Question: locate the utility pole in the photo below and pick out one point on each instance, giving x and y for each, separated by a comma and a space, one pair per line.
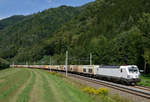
90, 58
50, 63
66, 63
27, 64
145, 67
13, 64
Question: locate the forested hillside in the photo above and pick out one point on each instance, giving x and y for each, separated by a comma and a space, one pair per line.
10, 21
116, 32
32, 29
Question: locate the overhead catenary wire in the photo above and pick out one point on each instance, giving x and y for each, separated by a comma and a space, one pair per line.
81, 59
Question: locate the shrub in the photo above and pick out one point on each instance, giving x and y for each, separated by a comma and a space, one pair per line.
92, 91
102, 91
89, 90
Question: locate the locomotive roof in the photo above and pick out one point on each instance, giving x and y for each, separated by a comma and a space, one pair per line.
101, 66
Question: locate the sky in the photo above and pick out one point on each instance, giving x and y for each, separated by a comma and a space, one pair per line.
26, 7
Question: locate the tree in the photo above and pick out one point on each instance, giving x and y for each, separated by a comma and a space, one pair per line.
146, 56
144, 25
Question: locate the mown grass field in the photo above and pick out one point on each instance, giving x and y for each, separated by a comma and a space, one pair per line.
34, 85
145, 80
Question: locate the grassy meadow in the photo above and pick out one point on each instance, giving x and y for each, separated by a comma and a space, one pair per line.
145, 80
34, 85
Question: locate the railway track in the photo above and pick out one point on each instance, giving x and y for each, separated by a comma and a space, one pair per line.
136, 90
142, 87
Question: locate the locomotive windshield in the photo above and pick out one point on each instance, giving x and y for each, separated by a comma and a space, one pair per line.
133, 69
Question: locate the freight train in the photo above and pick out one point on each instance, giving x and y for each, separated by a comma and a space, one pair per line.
125, 74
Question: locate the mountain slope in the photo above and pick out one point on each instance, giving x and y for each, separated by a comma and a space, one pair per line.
10, 21
15, 38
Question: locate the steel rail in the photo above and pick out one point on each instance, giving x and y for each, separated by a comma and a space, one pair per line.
142, 87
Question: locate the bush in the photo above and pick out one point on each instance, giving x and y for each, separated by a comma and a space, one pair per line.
89, 90
102, 91
92, 91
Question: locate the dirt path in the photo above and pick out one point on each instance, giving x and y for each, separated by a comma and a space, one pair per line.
19, 91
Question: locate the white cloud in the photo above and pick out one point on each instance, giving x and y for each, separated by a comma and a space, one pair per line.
2, 18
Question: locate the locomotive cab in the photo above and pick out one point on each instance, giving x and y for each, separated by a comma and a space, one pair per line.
133, 74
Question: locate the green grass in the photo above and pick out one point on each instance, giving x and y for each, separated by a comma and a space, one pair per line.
12, 84
24, 96
9, 79
34, 85
145, 80
67, 91
7, 72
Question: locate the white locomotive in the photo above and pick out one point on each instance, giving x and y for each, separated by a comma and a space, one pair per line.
127, 74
